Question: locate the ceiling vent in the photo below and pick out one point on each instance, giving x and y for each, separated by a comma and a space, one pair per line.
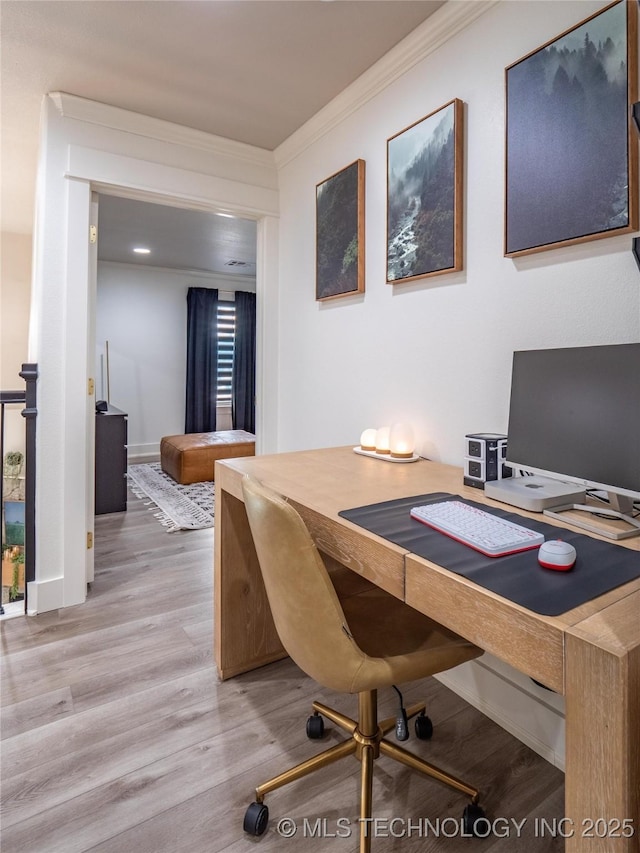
233, 263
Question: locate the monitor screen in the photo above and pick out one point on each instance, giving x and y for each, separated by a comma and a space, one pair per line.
575, 415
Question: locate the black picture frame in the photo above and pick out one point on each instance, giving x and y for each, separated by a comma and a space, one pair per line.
340, 201
571, 158
424, 196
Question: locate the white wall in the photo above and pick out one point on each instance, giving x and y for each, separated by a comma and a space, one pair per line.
142, 313
438, 352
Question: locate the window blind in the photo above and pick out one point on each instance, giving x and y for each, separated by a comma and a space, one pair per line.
226, 347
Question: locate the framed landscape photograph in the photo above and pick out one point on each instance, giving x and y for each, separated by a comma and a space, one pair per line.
340, 233
424, 196
571, 155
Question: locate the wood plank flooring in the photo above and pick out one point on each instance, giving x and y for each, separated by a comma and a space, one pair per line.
117, 735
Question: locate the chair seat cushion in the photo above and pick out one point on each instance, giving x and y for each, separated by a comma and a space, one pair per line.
191, 458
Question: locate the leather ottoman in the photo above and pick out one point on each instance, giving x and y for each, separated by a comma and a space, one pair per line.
190, 458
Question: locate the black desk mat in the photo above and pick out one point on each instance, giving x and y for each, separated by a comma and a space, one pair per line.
600, 566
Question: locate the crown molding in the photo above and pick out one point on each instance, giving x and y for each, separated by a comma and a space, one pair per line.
116, 118
449, 20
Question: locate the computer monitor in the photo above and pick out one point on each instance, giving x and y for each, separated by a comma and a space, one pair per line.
575, 416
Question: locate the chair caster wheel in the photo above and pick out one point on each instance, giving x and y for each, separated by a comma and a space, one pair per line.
424, 727
256, 819
315, 727
474, 821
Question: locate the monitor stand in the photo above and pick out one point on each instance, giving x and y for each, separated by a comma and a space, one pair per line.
623, 507
534, 493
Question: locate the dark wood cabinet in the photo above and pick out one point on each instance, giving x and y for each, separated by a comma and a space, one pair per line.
111, 461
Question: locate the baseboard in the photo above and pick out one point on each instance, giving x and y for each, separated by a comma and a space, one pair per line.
530, 713
43, 596
143, 452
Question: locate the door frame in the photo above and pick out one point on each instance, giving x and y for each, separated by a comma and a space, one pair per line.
62, 564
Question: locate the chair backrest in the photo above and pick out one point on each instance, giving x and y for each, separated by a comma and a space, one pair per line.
306, 610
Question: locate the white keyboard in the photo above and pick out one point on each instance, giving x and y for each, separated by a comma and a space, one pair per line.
492, 536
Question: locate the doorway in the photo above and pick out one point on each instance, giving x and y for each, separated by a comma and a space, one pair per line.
62, 313
149, 255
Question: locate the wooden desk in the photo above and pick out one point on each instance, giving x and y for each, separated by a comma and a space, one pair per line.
590, 654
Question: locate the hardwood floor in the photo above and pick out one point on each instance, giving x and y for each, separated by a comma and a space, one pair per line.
117, 735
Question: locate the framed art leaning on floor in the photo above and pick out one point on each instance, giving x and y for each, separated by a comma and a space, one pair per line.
571, 154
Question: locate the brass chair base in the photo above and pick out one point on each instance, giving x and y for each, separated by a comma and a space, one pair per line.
367, 742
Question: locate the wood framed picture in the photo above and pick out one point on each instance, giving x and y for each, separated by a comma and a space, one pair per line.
340, 233
424, 196
571, 155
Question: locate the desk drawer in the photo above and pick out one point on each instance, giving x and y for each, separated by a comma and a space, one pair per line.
531, 643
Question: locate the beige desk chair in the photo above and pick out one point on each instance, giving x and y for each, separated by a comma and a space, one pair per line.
357, 645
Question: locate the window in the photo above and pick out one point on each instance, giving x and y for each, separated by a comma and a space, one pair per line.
226, 347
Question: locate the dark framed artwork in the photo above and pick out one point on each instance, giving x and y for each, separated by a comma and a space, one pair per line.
571, 154
424, 196
340, 233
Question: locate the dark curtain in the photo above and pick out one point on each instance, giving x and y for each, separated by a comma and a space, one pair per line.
244, 363
202, 359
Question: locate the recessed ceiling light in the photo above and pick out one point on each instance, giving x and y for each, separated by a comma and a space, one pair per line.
140, 250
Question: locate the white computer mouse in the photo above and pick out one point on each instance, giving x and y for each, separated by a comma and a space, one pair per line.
556, 554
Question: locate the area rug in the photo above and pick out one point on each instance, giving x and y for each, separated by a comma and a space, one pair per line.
179, 507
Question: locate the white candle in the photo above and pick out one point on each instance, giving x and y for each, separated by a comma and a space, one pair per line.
382, 440
401, 442
368, 439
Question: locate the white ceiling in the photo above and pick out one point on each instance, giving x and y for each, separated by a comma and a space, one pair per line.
178, 238
248, 70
